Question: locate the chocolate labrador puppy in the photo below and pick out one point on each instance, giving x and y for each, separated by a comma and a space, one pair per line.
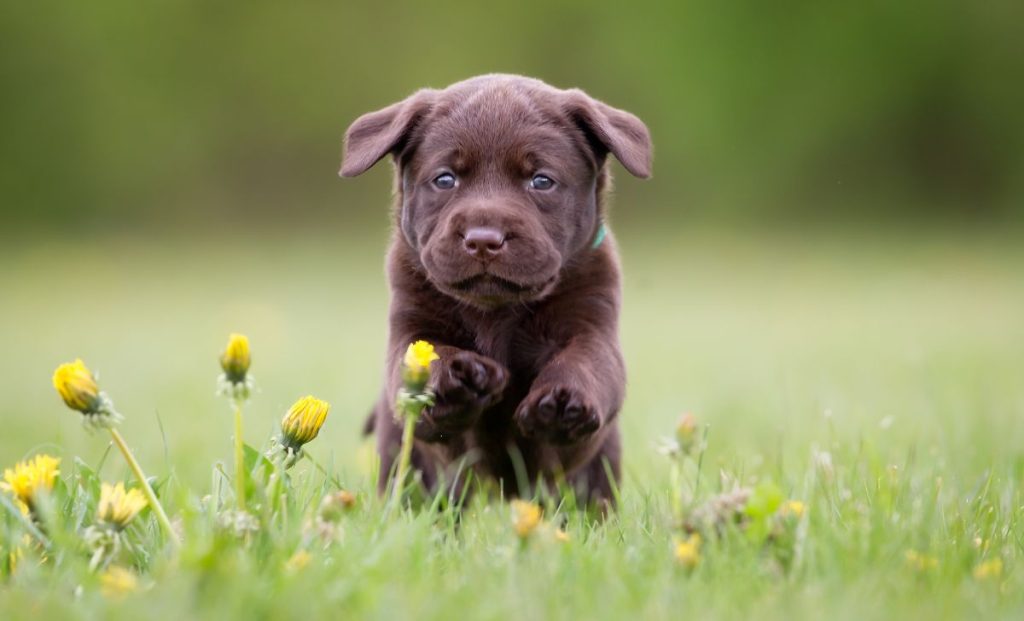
502, 259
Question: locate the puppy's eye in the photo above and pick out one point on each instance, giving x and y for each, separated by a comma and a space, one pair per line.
541, 182
444, 181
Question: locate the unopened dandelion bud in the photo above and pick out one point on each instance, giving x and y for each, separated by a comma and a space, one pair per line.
77, 386
117, 582
793, 508
686, 432
526, 517
920, 562
117, 506
302, 423
990, 569
236, 382
687, 551
236, 358
335, 505
31, 478
298, 562
416, 365
14, 557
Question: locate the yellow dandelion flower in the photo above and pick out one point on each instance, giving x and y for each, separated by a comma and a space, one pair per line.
29, 478
794, 508
687, 551
236, 358
992, 568
920, 562
526, 517
416, 364
117, 582
77, 386
302, 423
118, 507
298, 561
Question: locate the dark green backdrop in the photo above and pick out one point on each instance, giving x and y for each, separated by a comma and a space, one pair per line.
181, 113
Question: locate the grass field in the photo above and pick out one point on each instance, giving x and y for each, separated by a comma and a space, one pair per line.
877, 378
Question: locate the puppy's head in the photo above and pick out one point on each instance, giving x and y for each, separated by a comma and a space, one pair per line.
499, 179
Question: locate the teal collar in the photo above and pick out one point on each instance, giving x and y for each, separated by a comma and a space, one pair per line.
602, 232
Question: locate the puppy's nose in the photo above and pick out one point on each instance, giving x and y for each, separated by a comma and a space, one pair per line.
483, 242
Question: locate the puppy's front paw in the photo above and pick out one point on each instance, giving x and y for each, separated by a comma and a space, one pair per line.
558, 413
463, 385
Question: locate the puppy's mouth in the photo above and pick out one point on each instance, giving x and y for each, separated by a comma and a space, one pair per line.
490, 290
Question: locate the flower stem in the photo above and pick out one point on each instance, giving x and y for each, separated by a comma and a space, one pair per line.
239, 457
404, 457
154, 502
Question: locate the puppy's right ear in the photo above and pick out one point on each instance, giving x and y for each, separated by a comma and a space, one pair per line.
375, 134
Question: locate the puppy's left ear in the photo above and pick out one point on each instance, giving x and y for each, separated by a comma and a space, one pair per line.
611, 130
375, 134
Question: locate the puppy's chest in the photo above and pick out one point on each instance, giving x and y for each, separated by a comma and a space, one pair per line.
519, 342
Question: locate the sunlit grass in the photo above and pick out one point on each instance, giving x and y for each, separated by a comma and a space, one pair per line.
875, 382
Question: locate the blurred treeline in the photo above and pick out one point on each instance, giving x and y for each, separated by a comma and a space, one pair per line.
180, 113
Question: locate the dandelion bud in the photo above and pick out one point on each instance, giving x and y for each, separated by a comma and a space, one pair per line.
687, 551
526, 517
236, 358
235, 381
117, 582
793, 508
920, 562
302, 422
78, 388
298, 562
13, 558
416, 365
686, 432
992, 568
333, 506
118, 507
30, 478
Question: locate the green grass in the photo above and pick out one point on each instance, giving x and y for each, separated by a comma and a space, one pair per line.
900, 356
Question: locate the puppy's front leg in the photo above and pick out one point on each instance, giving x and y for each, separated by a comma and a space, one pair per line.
464, 383
577, 392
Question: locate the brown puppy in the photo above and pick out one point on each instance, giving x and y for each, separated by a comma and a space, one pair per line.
500, 258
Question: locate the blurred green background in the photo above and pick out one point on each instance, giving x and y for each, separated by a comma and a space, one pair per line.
831, 239
185, 113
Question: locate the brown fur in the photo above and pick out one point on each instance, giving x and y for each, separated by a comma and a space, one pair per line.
530, 378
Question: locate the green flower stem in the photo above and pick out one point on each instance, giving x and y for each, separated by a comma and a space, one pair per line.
676, 481
275, 482
410, 405
239, 457
405, 456
154, 502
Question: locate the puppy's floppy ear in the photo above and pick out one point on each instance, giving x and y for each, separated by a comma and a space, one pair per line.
610, 130
375, 134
